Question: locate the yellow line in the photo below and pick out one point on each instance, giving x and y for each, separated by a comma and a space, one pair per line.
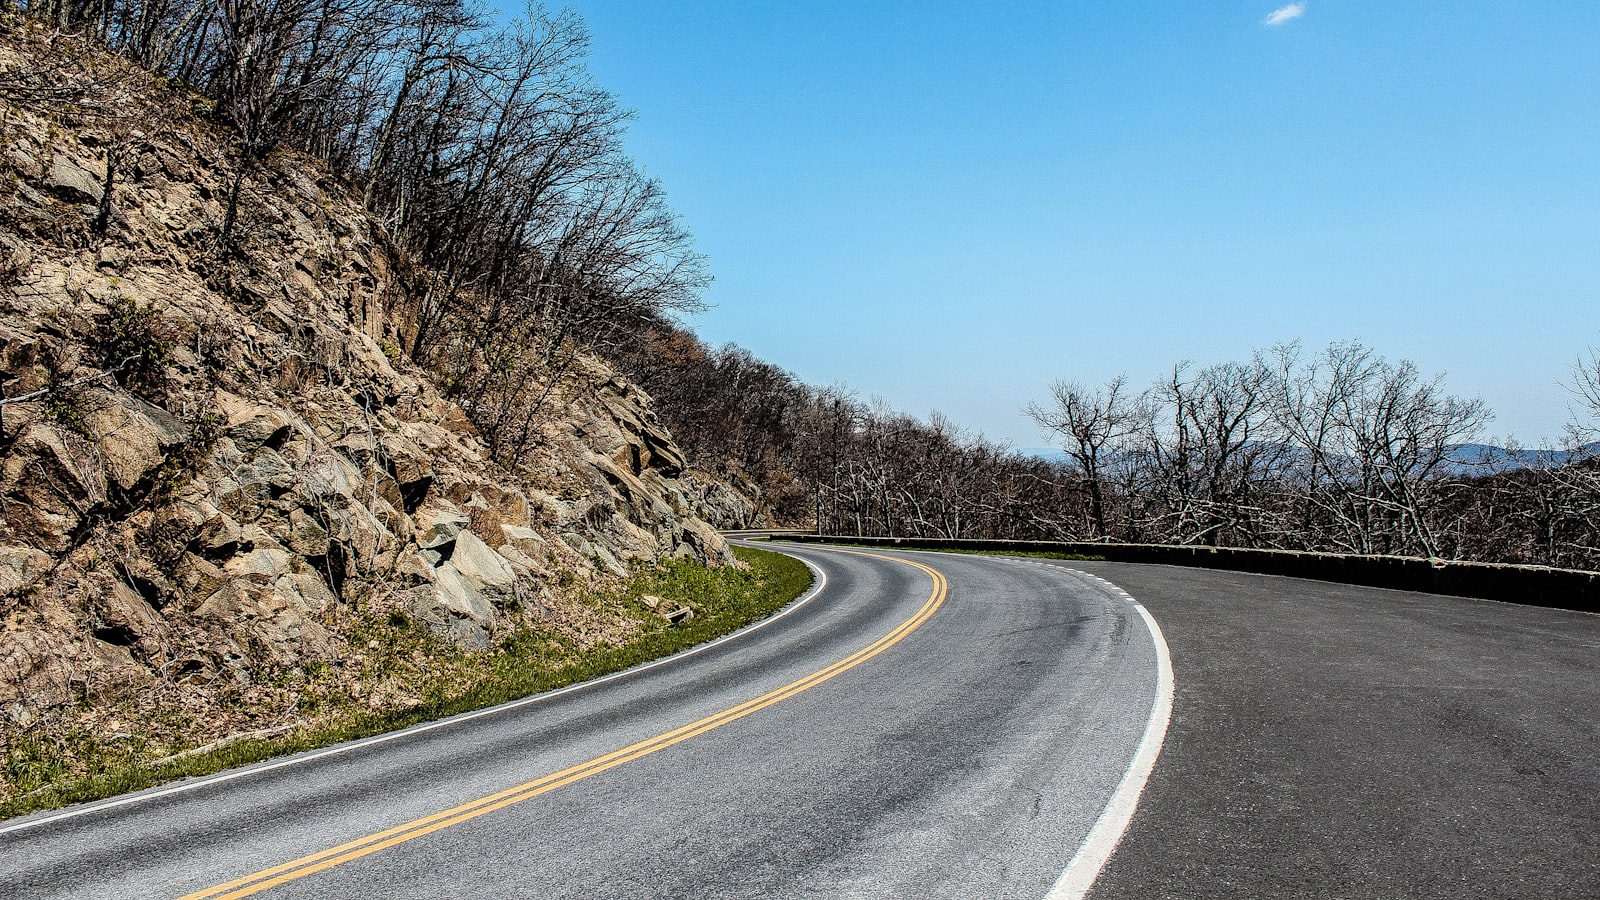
372, 843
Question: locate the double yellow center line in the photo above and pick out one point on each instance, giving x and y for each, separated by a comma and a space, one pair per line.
372, 843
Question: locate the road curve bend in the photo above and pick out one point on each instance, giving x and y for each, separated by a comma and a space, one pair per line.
951, 726
1336, 741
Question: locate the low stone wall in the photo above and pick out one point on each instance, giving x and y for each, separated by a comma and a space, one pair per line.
1532, 585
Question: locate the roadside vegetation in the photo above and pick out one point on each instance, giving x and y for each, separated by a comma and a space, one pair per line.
1335, 450
476, 138
403, 674
911, 544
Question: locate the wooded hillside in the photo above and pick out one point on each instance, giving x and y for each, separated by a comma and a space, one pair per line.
1340, 450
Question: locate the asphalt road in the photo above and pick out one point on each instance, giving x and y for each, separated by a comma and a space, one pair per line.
1338, 741
884, 738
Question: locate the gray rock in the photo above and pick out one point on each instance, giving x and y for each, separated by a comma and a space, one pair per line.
520, 561
220, 538
306, 536
123, 606
24, 162
252, 425
610, 561
329, 475
262, 565
479, 564
467, 633
21, 567
71, 183
133, 438
197, 576
440, 513
48, 478
440, 537
245, 490
457, 595
578, 543
522, 536
415, 568
307, 590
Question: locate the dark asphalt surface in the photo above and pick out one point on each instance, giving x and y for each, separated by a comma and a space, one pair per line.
968, 760
1339, 741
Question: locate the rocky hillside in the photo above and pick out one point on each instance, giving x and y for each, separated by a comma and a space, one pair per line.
215, 462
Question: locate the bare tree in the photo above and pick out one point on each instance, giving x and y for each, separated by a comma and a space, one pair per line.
1095, 428
1584, 428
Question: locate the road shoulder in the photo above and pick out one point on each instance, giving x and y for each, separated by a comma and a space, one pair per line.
1331, 740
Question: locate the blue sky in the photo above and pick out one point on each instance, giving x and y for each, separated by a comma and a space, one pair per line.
950, 205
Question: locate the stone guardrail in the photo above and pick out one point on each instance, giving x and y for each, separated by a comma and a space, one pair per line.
1530, 585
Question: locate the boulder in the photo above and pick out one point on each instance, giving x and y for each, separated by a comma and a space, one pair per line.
414, 568
243, 490
550, 510
306, 590
23, 161
414, 474
306, 537
47, 479
329, 474
437, 525
610, 561
263, 565
198, 577
359, 527
252, 425
456, 595
664, 456
525, 540
220, 538
125, 616
520, 561
479, 564
133, 438
67, 180
20, 567
228, 603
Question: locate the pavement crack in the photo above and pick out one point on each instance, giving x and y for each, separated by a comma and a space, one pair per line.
1038, 800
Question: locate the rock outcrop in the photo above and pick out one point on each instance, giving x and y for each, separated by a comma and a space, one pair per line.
210, 461
722, 504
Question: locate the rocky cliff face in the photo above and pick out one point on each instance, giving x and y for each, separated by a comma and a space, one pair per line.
212, 462
722, 504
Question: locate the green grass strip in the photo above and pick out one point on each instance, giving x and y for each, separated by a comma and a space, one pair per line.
527, 663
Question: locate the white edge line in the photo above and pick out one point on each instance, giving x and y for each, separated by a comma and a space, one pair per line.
820, 582
1079, 876
1102, 839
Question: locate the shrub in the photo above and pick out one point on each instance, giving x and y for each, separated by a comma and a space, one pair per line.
135, 342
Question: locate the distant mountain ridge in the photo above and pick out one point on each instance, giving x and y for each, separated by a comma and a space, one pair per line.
1471, 458
1462, 459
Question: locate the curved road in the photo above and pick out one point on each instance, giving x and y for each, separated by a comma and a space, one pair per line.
948, 726
907, 733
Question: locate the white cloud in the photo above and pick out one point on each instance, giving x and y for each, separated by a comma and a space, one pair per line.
1286, 13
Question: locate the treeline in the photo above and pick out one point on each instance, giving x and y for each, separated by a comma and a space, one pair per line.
1340, 450
482, 144
496, 165
821, 458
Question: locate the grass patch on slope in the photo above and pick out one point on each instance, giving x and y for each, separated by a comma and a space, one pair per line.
523, 662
